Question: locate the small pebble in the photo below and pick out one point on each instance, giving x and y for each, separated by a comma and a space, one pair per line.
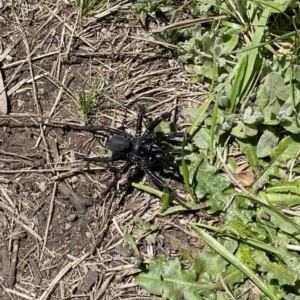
38, 163
72, 218
68, 226
41, 217
89, 280
74, 179
42, 186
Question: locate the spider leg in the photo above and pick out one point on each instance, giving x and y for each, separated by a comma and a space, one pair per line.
160, 183
139, 123
117, 177
94, 129
165, 159
171, 137
158, 120
115, 157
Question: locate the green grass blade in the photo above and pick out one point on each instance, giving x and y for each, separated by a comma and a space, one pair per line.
215, 245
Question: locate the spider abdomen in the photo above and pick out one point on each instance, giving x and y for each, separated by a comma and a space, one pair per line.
118, 143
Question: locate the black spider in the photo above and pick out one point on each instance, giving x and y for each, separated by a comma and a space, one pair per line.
147, 151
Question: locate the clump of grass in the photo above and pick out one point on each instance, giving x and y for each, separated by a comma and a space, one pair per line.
86, 101
90, 7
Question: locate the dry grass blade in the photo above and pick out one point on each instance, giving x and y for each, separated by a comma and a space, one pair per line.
188, 23
60, 275
3, 97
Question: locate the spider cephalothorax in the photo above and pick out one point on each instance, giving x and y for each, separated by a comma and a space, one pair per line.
145, 151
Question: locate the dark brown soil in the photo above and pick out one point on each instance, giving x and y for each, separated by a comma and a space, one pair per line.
59, 237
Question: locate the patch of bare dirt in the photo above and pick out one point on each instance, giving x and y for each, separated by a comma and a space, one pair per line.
59, 237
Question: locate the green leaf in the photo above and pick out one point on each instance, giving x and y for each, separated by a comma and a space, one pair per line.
287, 149
276, 6
284, 186
206, 182
130, 240
212, 263
168, 280
206, 43
194, 79
273, 82
143, 17
282, 198
248, 147
282, 223
187, 207
259, 21
296, 72
267, 142
205, 71
235, 261
230, 40
237, 74
201, 115
252, 116
242, 131
165, 9
201, 138
233, 276
276, 271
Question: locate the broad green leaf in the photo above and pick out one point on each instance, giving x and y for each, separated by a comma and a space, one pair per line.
262, 97
201, 138
192, 112
233, 276
273, 82
168, 280
283, 93
230, 40
252, 116
206, 182
194, 79
245, 254
267, 142
212, 263
275, 271
143, 17
205, 71
242, 131
291, 124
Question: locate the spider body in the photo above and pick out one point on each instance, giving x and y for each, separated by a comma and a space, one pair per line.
145, 151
